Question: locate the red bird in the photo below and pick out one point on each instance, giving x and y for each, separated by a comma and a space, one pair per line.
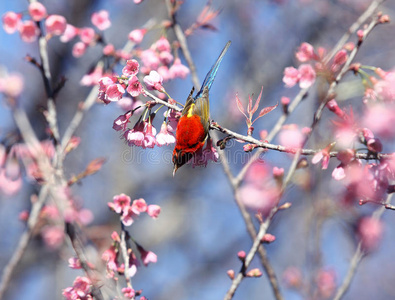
193, 126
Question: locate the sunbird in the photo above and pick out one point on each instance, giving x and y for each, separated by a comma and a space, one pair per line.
193, 125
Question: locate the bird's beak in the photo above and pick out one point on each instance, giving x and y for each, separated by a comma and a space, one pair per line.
175, 170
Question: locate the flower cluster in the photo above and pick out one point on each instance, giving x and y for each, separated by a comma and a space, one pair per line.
313, 62
129, 210
81, 289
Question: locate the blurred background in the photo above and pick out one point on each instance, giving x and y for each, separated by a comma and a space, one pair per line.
200, 230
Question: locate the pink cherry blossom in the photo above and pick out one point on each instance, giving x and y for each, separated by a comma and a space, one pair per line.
291, 137
109, 49
74, 263
326, 283
154, 81
128, 293
79, 49
121, 123
379, 118
53, 236
166, 58
37, 11
55, 24
134, 87
339, 173
164, 137
292, 277
131, 68
9, 186
150, 59
291, 76
153, 211
110, 257
178, 69
164, 72
137, 35
307, 76
139, 206
128, 216
69, 33
147, 256
12, 85
28, 31
202, 157
11, 21
305, 53
163, 45
115, 92
92, 78
86, 35
135, 136
172, 117
259, 199
101, 19
149, 136
82, 286
370, 231
120, 203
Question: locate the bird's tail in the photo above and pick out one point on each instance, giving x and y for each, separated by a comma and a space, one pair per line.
208, 81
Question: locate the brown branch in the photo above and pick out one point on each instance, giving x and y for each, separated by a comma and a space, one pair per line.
254, 248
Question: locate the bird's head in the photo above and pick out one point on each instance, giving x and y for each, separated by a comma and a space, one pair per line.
180, 158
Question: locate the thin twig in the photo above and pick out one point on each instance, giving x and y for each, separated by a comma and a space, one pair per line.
358, 256
183, 43
254, 248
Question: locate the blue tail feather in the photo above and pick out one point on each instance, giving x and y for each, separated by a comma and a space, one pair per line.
208, 81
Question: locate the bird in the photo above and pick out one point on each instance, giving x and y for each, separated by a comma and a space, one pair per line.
193, 125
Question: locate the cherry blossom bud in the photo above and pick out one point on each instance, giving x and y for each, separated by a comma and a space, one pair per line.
241, 255
268, 238
286, 205
231, 274
285, 103
254, 273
